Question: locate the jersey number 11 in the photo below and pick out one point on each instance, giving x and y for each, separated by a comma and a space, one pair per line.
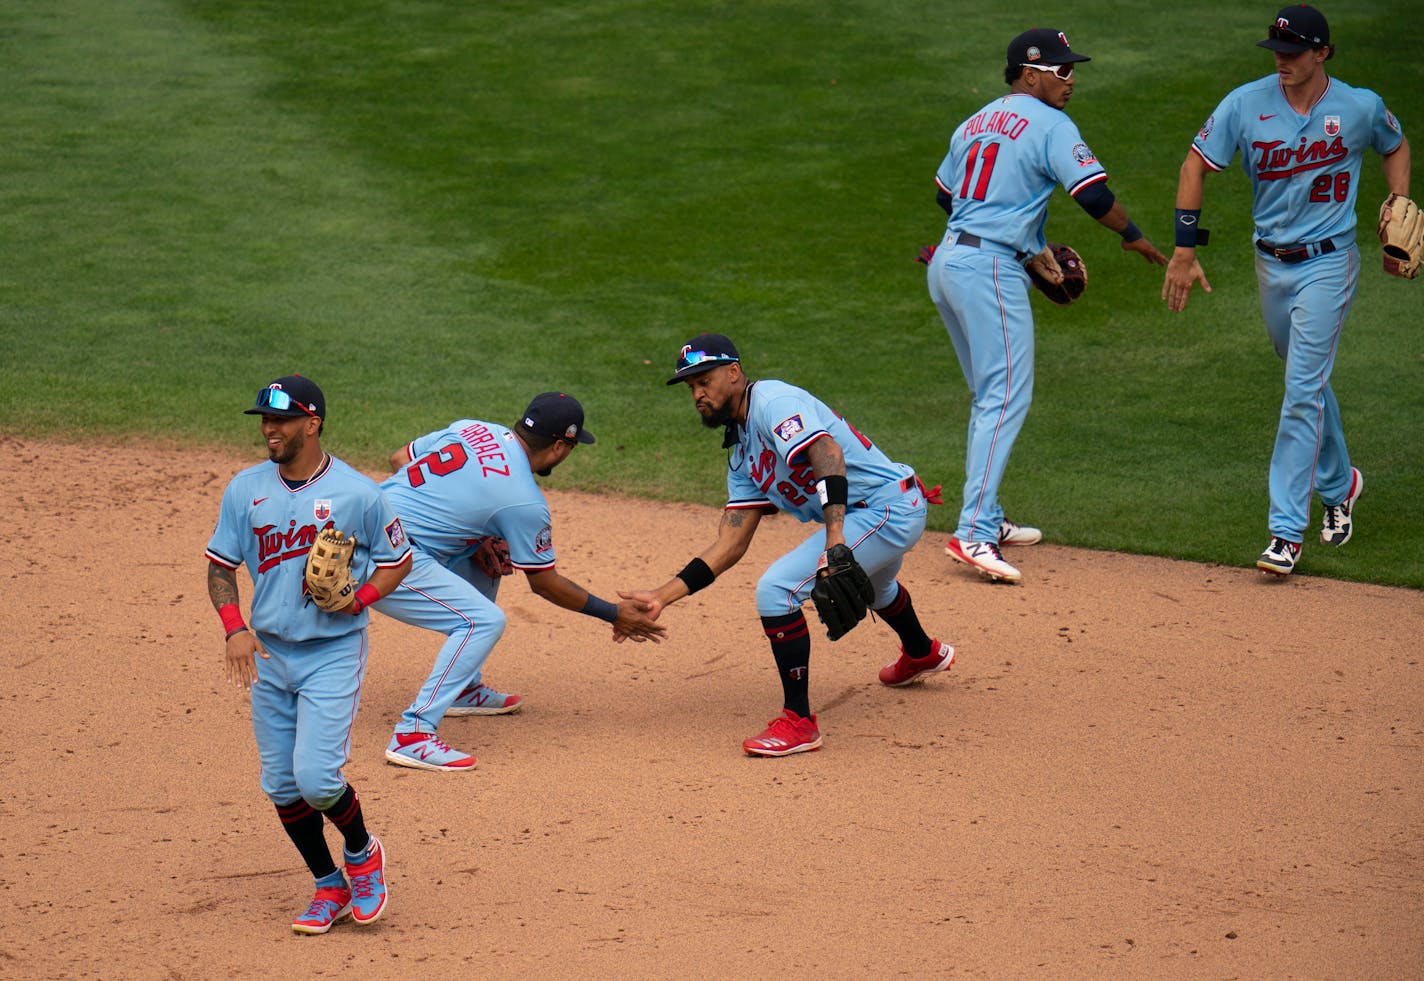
986, 168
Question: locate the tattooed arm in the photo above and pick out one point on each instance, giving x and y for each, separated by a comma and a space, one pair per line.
734, 534
241, 647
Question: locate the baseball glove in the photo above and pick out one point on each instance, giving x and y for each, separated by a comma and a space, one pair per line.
842, 593
1059, 273
1402, 236
328, 575
492, 557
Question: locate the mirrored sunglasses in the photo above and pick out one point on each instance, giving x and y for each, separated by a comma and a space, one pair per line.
1064, 72
275, 398
691, 358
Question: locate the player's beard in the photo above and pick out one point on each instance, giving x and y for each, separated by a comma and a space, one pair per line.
719, 415
289, 450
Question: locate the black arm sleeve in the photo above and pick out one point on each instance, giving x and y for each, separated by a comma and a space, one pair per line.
1096, 199
945, 201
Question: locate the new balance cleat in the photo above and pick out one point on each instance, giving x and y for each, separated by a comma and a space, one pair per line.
786, 734
368, 885
908, 670
426, 751
1012, 534
482, 700
984, 556
327, 906
1339, 522
1279, 557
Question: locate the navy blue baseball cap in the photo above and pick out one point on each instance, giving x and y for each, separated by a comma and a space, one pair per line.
703, 353
557, 416
290, 395
1297, 28
1043, 46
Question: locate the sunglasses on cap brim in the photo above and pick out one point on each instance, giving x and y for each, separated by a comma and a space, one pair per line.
275, 398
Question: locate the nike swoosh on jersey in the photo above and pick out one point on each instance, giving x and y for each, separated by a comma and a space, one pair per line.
257, 500
1264, 118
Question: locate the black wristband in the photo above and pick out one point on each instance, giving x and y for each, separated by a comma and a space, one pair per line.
600, 608
834, 489
233, 633
1131, 233
1186, 225
696, 575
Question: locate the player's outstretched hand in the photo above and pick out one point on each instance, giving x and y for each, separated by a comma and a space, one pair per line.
1182, 272
635, 620
1147, 250
241, 665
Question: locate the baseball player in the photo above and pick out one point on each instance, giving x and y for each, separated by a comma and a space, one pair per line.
791, 453
1302, 137
454, 489
994, 184
305, 667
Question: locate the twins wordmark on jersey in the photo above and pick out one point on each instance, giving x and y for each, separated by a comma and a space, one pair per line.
274, 546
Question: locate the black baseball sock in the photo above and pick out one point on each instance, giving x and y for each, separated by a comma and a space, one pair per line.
900, 615
791, 646
345, 814
304, 826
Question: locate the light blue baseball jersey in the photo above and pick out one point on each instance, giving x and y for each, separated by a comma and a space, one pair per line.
1304, 170
270, 528
1003, 163
466, 481
768, 469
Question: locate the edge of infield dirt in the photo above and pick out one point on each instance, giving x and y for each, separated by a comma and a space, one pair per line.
1137, 767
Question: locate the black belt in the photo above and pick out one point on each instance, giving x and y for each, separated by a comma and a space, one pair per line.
974, 241
1295, 253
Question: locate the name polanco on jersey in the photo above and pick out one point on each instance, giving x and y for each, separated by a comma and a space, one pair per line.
1001, 122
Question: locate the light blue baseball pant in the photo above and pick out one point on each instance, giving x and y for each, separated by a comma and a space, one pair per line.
879, 535
440, 599
982, 297
1305, 305
304, 704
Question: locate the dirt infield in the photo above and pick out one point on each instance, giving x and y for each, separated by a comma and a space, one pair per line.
1137, 768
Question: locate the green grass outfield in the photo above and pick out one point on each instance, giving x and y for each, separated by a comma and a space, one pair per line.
439, 209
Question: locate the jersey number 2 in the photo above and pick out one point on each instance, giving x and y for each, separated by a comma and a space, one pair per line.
447, 459
985, 161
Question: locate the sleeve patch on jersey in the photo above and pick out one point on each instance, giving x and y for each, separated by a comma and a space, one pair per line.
544, 541
1083, 155
395, 534
1207, 127
1391, 121
789, 427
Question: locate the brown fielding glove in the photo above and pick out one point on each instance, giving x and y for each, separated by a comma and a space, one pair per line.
1065, 261
492, 557
1402, 236
328, 575
842, 593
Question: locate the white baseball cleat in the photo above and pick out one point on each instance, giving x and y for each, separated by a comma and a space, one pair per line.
1279, 557
984, 556
1339, 523
1012, 534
